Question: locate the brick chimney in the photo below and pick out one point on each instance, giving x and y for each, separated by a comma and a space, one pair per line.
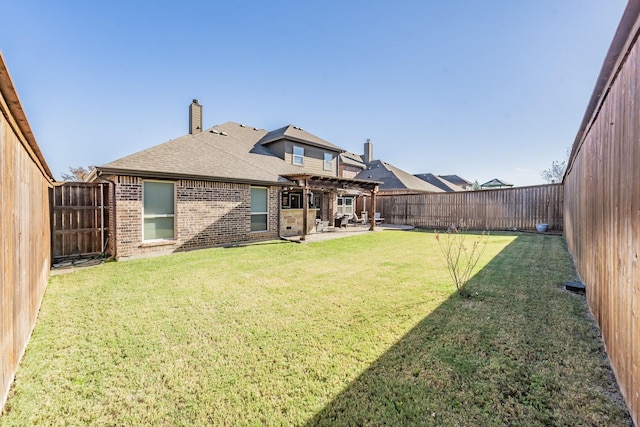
195, 117
368, 151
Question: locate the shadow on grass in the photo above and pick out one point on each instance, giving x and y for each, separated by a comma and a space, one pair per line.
519, 351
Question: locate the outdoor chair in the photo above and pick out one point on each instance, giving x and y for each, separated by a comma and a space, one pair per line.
356, 220
344, 221
378, 218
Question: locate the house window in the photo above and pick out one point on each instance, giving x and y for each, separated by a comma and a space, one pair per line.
298, 155
328, 161
158, 200
345, 206
259, 208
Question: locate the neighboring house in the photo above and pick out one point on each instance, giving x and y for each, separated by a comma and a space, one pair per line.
439, 182
456, 180
495, 183
227, 184
394, 179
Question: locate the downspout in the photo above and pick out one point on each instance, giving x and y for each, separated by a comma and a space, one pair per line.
280, 213
305, 209
101, 218
372, 217
112, 213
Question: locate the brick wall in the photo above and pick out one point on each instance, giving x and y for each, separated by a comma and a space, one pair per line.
207, 214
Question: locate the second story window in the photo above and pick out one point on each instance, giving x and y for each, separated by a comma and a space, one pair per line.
298, 155
328, 161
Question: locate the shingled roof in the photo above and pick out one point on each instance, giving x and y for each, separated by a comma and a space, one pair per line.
228, 152
439, 182
352, 159
496, 183
394, 178
294, 133
455, 179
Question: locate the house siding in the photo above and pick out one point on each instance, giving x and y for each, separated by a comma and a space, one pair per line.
348, 171
313, 158
206, 214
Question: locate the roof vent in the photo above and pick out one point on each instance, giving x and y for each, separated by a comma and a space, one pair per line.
242, 126
214, 131
223, 133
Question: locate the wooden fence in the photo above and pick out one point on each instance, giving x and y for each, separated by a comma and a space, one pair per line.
79, 219
503, 209
602, 209
25, 253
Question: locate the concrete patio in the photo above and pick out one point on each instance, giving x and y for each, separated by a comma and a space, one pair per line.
348, 231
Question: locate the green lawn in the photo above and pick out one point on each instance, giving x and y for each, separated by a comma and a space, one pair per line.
366, 330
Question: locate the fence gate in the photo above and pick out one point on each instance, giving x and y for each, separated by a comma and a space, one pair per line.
79, 219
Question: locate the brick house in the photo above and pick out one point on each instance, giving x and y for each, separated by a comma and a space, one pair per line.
227, 184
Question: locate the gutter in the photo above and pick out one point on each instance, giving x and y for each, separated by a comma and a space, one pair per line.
174, 176
112, 213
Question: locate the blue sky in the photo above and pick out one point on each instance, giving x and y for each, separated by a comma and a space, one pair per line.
482, 89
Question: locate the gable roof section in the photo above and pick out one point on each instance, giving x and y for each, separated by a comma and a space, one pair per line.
395, 178
455, 179
495, 182
227, 152
352, 159
441, 183
296, 134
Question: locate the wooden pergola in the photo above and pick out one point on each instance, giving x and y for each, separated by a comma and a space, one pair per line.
308, 183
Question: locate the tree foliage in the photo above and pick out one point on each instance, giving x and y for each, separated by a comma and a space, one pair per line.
555, 172
77, 174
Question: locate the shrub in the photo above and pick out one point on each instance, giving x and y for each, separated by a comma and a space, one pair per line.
460, 256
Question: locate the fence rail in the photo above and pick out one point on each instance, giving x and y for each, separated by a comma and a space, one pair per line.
79, 218
503, 209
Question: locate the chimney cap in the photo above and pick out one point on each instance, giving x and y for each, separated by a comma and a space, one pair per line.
195, 101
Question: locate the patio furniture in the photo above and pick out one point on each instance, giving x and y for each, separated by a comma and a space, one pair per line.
344, 221
378, 218
356, 220
321, 226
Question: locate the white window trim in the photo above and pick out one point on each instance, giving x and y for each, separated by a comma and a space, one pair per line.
342, 206
160, 216
297, 156
259, 213
328, 165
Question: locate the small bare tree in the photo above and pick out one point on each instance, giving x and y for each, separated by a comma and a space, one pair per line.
555, 172
77, 174
461, 257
